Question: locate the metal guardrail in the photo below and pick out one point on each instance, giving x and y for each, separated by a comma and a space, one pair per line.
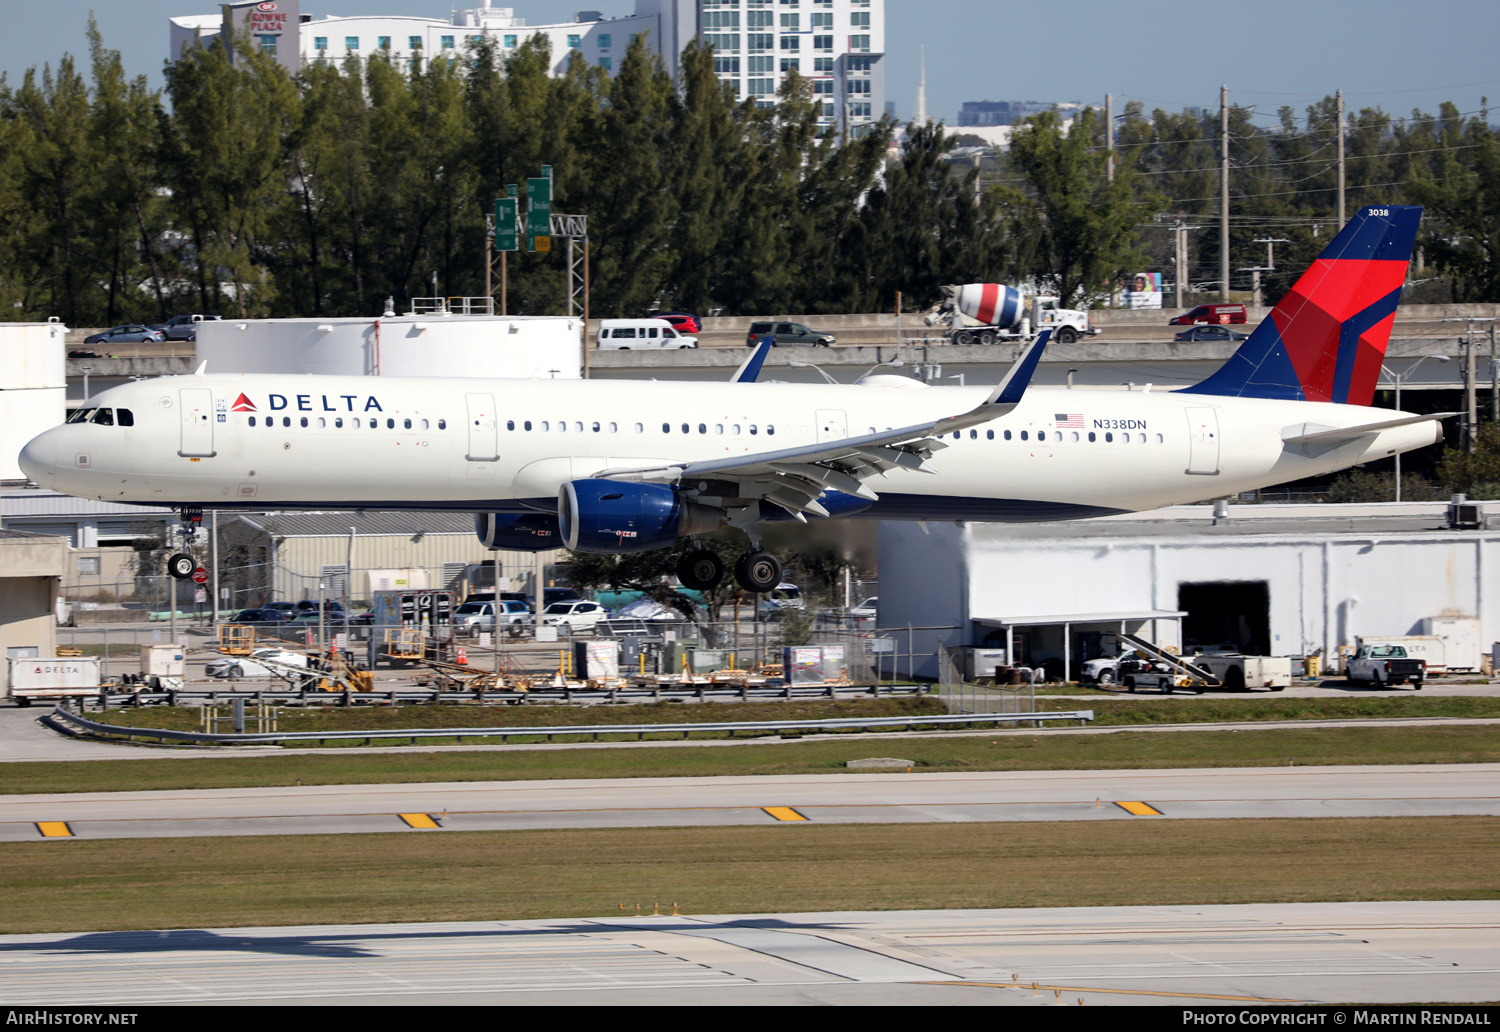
427, 695
506, 733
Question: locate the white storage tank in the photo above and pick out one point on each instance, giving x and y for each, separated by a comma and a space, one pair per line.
33, 386
518, 347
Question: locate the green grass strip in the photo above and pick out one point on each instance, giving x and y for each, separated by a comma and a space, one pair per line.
1125, 749
80, 886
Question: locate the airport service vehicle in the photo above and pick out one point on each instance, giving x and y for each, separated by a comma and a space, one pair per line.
49, 679
641, 335
1214, 313
623, 468
1240, 673
991, 313
1384, 664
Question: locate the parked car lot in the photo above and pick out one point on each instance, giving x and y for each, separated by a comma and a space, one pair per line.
474, 618
267, 616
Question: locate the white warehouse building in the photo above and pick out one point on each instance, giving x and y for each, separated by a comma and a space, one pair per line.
1283, 580
837, 44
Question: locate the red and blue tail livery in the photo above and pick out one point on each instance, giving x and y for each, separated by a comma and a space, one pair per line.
1327, 337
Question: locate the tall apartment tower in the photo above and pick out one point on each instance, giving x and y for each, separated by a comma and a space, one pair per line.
839, 45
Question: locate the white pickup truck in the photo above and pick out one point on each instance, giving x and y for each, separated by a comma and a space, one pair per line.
1383, 665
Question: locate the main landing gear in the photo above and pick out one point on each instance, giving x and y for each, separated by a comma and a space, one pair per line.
181, 565
701, 569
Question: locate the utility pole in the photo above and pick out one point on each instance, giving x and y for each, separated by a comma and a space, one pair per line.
1270, 265
1494, 380
1340, 98
1179, 234
1109, 138
1471, 427
1224, 193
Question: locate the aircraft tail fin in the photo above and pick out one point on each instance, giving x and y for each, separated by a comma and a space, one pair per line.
1326, 338
749, 369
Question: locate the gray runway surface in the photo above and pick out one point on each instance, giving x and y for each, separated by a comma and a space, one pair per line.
1234, 956
1373, 791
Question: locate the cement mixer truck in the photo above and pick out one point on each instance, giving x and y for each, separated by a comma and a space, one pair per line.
991, 313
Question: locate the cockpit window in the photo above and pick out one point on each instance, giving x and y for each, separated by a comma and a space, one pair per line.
80, 415
104, 417
124, 417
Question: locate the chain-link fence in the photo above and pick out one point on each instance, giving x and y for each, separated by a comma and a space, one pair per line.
967, 697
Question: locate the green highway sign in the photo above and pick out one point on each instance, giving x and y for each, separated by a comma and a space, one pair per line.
507, 226
539, 209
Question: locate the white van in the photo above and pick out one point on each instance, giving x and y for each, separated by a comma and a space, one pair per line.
641, 335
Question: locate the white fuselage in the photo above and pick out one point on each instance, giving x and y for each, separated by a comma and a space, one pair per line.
258, 441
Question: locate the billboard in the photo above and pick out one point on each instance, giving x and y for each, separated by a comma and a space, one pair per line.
1143, 290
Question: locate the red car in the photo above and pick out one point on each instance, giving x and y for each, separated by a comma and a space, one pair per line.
683, 322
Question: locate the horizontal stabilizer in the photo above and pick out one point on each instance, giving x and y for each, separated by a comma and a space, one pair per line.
1303, 433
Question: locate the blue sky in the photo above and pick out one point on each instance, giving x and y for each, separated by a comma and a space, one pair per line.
1171, 53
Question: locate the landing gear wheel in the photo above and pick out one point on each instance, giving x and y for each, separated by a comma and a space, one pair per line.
1067, 335
758, 571
700, 570
181, 566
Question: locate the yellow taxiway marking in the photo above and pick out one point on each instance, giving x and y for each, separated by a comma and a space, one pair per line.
1139, 809
1124, 992
419, 820
54, 829
783, 813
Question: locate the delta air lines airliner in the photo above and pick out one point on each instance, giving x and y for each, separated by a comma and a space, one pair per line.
611, 466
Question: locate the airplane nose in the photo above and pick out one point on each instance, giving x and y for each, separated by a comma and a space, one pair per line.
38, 458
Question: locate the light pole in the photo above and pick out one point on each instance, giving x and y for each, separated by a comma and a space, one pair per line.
1396, 379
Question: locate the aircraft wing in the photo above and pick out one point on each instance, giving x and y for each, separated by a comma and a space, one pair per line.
793, 478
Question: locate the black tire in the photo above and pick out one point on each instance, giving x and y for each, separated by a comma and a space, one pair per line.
1106, 678
23, 703
1067, 335
1417, 685
987, 337
1164, 686
700, 569
758, 571
234, 673
181, 566
963, 337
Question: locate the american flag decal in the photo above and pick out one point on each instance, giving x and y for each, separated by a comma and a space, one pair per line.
1068, 419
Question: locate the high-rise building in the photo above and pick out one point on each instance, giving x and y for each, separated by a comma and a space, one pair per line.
838, 45
1011, 112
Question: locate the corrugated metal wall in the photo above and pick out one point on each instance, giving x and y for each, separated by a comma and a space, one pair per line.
300, 560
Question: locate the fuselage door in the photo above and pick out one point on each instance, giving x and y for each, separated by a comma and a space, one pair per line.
484, 428
197, 422
1203, 441
833, 425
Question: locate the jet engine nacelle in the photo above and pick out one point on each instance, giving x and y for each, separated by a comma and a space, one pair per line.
619, 517
524, 532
